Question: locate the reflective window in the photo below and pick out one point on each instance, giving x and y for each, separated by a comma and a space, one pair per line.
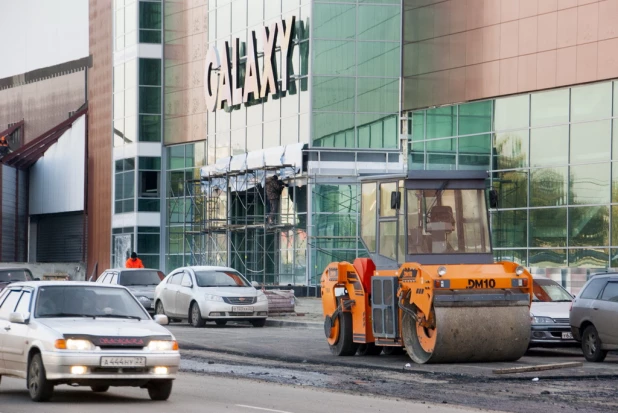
150, 72
150, 99
615, 140
593, 288
334, 94
379, 23
368, 215
150, 128
378, 95
615, 98
512, 187
149, 22
334, 57
591, 102
548, 187
549, 146
590, 184
590, 141
610, 293
417, 126
377, 59
519, 256
441, 122
589, 257
334, 21
375, 131
326, 125
388, 239
547, 258
548, 227
511, 149
510, 228
475, 118
512, 112
386, 189
475, 151
588, 226
550, 108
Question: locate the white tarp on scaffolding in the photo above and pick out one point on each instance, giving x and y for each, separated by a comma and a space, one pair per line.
244, 171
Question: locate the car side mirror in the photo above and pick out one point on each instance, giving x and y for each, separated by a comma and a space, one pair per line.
255, 284
187, 283
161, 319
18, 318
395, 200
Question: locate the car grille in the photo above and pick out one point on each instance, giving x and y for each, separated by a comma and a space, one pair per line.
116, 370
561, 320
240, 300
233, 314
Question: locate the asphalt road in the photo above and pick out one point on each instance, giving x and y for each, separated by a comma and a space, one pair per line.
203, 393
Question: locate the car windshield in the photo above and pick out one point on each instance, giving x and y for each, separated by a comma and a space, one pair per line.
550, 291
11, 276
220, 278
129, 278
87, 301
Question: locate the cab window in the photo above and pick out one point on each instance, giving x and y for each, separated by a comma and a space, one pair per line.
593, 289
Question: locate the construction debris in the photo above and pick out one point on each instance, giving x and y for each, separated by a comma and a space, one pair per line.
540, 367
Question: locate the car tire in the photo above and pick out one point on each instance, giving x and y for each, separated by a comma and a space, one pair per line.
591, 345
99, 389
261, 322
195, 316
39, 387
159, 309
160, 390
221, 323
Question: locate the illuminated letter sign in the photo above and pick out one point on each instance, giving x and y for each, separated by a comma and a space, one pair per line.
257, 84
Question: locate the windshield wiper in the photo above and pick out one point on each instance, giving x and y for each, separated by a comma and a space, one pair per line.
65, 315
132, 317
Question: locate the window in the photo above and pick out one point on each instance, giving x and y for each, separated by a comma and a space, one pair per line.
610, 293
186, 280
149, 184
9, 304
149, 22
124, 186
593, 289
176, 278
24, 303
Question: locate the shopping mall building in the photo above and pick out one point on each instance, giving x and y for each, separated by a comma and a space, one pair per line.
211, 98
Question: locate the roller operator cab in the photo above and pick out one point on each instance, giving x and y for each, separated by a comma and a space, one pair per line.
431, 284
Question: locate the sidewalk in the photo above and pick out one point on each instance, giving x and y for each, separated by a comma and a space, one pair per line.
307, 313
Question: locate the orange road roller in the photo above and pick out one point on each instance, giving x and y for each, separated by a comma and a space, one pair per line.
431, 285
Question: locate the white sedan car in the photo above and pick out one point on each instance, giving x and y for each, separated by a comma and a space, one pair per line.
83, 334
217, 294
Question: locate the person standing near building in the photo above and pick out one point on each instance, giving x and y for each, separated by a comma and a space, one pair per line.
4, 146
274, 187
134, 262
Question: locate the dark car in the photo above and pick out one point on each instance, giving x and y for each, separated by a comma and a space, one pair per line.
140, 281
11, 275
594, 316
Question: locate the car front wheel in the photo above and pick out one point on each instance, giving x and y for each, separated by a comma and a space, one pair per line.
160, 390
196, 316
591, 345
39, 387
159, 308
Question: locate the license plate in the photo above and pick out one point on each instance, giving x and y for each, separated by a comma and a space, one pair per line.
123, 361
245, 309
567, 336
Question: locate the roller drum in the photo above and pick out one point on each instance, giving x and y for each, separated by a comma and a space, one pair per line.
469, 334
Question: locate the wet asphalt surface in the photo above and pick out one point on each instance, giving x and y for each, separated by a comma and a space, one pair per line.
301, 357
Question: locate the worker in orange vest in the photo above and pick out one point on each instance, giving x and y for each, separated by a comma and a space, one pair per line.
134, 262
4, 146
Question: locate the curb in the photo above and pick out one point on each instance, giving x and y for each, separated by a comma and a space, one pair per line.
286, 323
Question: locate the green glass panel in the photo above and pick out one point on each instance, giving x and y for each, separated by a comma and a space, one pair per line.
334, 57
511, 149
516, 256
379, 23
150, 128
441, 122
150, 72
376, 131
591, 102
334, 21
152, 163
591, 141
475, 151
614, 224
150, 230
380, 1
441, 154
548, 187
442, 145
549, 108
150, 36
336, 198
548, 227
615, 140
615, 98
547, 258
512, 187
549, 146
378, 95
475, 117
378, 59
150, 99
333, 94
150, 261
176, 157
338, 225
128, 205
416, 157
510, 229
512, 113
128, 184
149, 15
589, 226
615, 183
327, 125
590, 184
416, 126
148, 243
589, 258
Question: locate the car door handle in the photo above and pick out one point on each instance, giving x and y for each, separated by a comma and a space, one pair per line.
7, 328
595, 308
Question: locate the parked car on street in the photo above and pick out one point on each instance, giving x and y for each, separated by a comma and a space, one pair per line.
12, 275
84, 334
549, 314
594, 316
218, 294
140, 281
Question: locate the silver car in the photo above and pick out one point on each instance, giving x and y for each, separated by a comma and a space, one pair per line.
140, 281
549, 314
594, 316
208, 293
83, 334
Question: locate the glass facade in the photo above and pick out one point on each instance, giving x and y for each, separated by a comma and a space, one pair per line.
552, 158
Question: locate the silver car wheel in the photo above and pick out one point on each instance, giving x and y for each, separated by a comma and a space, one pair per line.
195, 314
33, 382
591, 343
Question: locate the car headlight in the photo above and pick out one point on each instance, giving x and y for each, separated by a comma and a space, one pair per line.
74, 344
163, 345
211, 297
143, 299
262, 297
542, 320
